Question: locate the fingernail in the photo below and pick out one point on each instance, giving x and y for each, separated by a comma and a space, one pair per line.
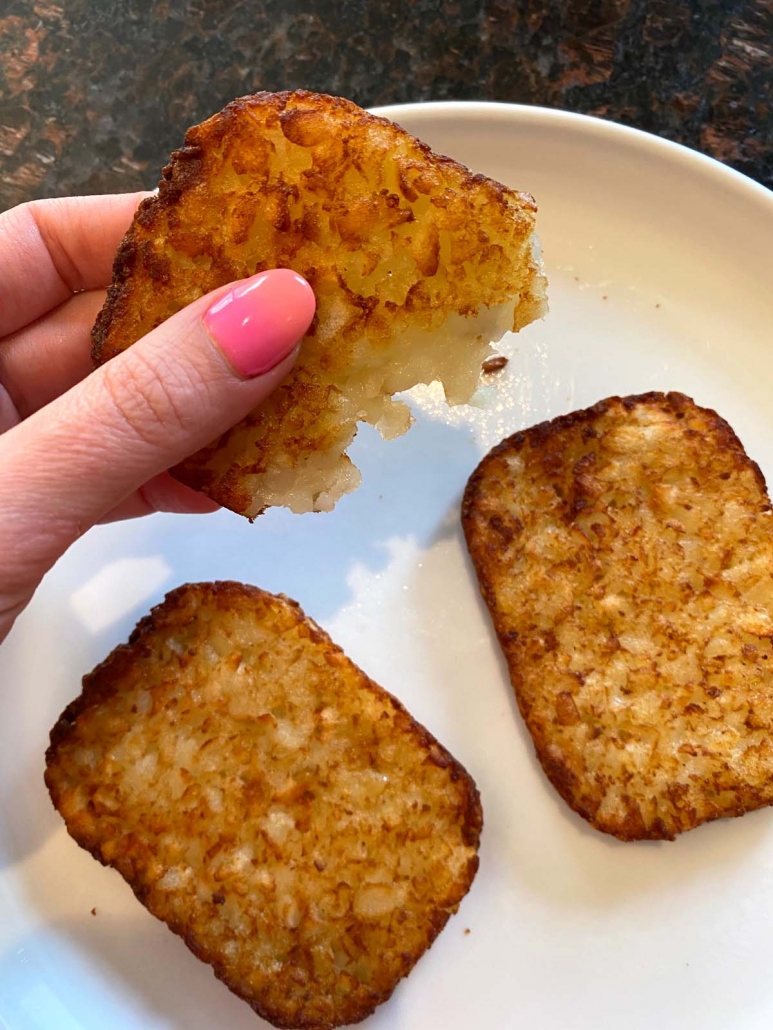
259, 322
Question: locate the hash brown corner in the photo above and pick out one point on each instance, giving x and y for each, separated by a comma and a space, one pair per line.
625, 554
417, 266
272, 805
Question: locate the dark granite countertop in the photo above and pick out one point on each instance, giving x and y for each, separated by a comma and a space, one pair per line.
95, 93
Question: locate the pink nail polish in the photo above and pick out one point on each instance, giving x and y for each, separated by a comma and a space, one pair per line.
259, 322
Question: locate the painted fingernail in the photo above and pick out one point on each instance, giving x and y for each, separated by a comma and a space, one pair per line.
259, 322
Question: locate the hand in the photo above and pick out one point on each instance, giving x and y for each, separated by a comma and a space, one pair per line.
79, 446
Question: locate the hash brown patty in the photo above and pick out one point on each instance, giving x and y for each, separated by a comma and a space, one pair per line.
416, 265
626, 557
271, 804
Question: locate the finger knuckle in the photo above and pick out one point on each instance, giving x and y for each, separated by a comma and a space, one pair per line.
151, 399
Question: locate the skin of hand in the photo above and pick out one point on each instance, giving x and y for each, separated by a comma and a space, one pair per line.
80, 446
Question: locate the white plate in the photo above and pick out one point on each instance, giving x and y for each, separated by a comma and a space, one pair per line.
659, 264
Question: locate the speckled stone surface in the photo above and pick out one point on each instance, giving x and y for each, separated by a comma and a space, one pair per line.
94, 94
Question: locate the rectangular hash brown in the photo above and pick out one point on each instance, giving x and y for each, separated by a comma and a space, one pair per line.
626, 557
271, 804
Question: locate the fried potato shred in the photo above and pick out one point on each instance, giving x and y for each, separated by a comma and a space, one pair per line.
416, 264
271, 804
626, 555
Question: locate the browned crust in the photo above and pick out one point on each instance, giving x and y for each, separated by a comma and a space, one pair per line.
539, 435
559, 773
184, 172
104, 681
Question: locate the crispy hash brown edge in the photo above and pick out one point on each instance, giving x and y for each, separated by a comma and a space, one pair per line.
674, 403
104, 682
184, 171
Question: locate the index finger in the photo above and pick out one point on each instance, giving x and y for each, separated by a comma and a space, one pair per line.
50, 249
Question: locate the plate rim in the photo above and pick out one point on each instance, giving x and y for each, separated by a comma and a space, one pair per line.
601, 128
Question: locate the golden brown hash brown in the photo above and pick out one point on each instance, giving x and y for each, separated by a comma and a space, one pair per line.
272, 805
416, 264
626, 556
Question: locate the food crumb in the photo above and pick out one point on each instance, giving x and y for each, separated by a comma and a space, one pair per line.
605, 297
494, 363
657, 305
93, 911
466, 930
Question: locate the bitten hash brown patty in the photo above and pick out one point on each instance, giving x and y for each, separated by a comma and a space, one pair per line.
416, 264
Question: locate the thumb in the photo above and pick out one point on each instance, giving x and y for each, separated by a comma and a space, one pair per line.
173, 392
